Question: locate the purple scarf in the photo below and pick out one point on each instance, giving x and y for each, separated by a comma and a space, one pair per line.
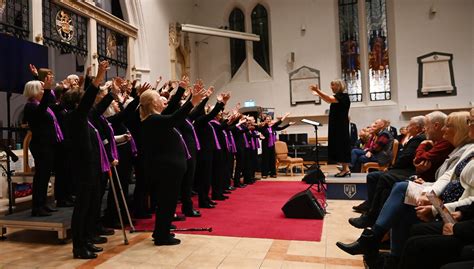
188, 156
104, 160
198, 146
57, 128
245, 137
133, 146
113, 144
218, 146
234, 147
271, 138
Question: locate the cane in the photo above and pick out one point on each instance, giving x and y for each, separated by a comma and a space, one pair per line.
132, 228
207, 229
125, 240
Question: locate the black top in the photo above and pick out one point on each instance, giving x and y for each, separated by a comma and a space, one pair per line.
161, 143
84, 144
407, 153
204, 131
339, 143
40, 121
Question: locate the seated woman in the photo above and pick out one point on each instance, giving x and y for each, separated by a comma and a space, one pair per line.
379, 151
397, 215
444, 241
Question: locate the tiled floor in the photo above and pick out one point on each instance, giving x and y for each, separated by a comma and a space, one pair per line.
39, 249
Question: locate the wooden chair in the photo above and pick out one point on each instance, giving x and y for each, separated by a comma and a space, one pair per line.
376, 166
27, 169
284, 161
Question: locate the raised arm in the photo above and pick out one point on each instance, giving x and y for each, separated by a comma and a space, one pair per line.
327, 98
88, 99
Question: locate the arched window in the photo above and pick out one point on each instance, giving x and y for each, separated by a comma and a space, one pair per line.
261, 51
237, 46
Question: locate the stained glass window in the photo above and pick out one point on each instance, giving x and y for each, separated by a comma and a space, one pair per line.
112, 46
349, 37
261, 50
64, 29
350, 27
237, 46
379, 73
14, 18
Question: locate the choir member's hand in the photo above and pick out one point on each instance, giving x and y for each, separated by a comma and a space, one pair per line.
225, 97
242, 121
33, 70
145, 86
81, 81
285, 116
198, 94
291, 123
448, 229
209, 91
114, 163
424, 213
116, 85
103, 66
157, 83
128, 137
183, 83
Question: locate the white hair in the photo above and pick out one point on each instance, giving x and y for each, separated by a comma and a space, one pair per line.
32, 89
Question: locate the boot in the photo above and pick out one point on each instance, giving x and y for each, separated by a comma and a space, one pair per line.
362, 222
368, 244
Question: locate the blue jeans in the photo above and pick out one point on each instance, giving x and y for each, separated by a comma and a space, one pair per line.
397, 216
358, 158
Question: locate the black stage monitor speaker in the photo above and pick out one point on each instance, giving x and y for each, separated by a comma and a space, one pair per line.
314, 175
303, 205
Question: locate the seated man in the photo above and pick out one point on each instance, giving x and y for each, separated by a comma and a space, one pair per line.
379, 151
379, 183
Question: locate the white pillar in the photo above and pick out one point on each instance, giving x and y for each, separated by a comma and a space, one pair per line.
92, 46
36, 21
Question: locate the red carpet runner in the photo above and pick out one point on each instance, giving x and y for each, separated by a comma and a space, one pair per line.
254, 211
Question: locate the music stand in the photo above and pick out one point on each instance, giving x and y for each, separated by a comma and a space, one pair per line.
315, 175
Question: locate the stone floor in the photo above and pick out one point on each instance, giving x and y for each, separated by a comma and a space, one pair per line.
40, 249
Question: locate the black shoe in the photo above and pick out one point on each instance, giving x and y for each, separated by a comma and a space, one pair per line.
231, 188
40, 212
212, 202
49, 208
361, 222
172, 227
97, 240
367, 244
167, 242
64, 203
92, 248
362, 208
343, 174
273, 176
240, 185
226, 192
192, 213
220, 197
193, 193
83, 253
206, 205
264, 177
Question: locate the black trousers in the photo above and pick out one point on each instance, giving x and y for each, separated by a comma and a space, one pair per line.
188, 182
142, 187
428, 248
124, 170
379, 186
268, 161
204, 174
249, 172
239, 165
218, 172
167, 187
83, 223
229, 169
63, 182
44, 156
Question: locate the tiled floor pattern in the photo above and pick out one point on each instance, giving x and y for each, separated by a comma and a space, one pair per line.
40, 249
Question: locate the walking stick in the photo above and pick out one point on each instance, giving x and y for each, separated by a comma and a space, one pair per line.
125, 240
132, 228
